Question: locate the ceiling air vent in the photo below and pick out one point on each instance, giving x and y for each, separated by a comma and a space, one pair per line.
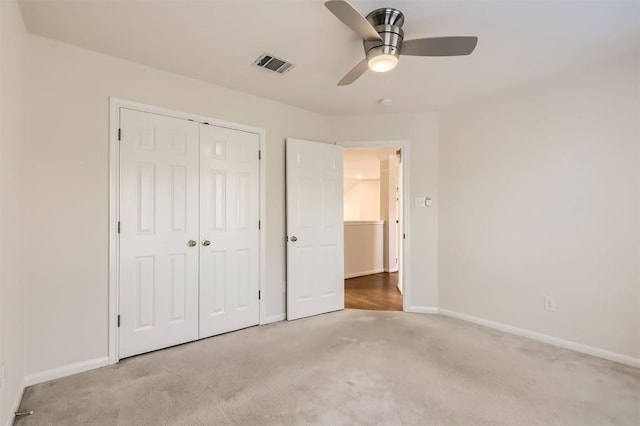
272, 63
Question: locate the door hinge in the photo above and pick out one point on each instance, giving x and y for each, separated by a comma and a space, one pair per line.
259, 225
259, 295
119, 134
404, 236
118, 320
118, 227
259, 154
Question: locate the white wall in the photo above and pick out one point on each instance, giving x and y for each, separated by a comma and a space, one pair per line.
12, 35
66, 189
363, 248
362, 199
540, 195
421, 130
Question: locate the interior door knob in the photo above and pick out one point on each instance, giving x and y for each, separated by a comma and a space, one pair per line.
191, 243
294, 239
206, 243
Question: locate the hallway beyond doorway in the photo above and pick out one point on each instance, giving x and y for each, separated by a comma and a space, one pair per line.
375, 292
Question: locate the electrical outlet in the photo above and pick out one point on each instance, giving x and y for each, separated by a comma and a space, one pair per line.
549, 303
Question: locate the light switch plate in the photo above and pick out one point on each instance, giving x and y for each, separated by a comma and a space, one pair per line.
421, 201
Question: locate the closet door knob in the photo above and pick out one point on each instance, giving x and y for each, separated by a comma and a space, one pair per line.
294, 239
192, 243
206, 243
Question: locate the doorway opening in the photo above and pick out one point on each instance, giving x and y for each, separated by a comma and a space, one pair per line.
373, 204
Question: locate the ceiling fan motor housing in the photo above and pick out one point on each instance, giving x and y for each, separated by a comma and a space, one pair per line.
388, 23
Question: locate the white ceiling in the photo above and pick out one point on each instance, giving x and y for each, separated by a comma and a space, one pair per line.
364, 163
218, 40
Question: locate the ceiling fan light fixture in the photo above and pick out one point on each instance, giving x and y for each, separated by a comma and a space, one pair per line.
383, 39
383, 62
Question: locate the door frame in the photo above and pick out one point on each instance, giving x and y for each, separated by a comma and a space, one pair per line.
405, 259
114, 196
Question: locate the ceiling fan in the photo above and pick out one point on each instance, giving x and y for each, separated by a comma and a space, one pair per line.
383, 40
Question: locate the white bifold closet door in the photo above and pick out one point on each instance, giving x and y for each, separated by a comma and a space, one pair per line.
229, 212
315, 229
189, 236
159, 163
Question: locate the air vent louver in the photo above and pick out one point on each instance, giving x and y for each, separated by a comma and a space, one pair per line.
272, 63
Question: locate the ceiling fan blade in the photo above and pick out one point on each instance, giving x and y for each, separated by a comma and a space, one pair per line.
355, 73
439, 46
352, 19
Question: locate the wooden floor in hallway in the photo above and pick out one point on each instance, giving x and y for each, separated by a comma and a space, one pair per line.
376, 292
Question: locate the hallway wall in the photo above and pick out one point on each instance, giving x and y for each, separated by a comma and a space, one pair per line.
362, 199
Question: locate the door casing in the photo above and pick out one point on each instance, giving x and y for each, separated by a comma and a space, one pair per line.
114, 124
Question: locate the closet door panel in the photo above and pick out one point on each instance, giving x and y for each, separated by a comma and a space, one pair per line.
229, 213
158, 211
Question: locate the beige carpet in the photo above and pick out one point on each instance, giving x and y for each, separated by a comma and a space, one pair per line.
347, 368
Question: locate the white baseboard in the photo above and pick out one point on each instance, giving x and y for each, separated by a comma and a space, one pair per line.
16, 405
422, 310
274, 318
65, 370
555, 341
363, 273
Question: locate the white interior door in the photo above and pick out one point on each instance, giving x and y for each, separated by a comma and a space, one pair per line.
229, 238
158, 271
315, 230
